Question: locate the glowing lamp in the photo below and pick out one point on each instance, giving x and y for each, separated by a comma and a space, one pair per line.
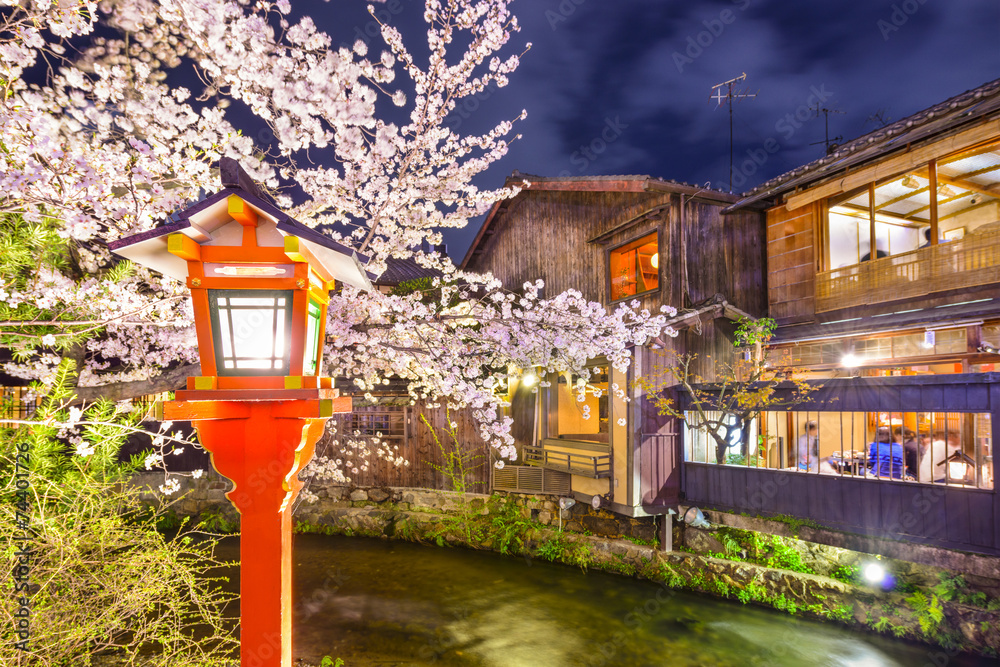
874, 573
961, 468
260, 284
655, 260
850, 361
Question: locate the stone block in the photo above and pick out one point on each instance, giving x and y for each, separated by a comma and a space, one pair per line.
601, 526
701, 541
358, 495
378, 495
545, 517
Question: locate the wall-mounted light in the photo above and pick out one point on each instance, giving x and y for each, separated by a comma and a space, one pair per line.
874, 573
655, 260
929, 340
849, 360
529, 379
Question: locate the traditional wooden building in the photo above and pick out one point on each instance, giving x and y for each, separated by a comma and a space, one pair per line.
392, 418
883, 273
615, 239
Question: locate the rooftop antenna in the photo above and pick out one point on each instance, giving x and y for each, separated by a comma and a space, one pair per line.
880, 117
728, 97
830, 145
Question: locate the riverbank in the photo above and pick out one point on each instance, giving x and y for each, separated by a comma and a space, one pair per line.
735, 564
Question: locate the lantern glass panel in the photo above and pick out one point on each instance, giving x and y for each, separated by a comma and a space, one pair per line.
310, 363
250, 329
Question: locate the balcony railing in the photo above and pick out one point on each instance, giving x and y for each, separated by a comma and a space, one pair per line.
967, 262
575, 463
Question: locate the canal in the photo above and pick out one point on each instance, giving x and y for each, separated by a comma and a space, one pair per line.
378, 602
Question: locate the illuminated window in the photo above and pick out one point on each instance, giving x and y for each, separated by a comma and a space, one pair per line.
311, 360
965, 201
251, 329
635, 267
573, 419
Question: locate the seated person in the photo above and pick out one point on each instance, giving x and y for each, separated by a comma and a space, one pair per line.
933, 466
911, 449
885, 457
807, 449
922, 471
879, 253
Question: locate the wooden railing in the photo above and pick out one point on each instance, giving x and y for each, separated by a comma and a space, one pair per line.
968, 262
575, 463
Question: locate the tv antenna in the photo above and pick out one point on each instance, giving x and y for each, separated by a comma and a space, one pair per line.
728, 98
831, 145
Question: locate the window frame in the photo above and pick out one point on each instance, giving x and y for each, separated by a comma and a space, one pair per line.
607, 265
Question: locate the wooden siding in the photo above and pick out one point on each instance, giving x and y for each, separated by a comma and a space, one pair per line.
544, 235
791, 263
419, 448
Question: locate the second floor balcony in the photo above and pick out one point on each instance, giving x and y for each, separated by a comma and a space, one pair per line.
961, 264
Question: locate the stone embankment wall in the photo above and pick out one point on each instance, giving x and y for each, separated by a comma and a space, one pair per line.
447, 518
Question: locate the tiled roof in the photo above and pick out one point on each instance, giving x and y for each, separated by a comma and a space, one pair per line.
945, 116
400, 270
610, 183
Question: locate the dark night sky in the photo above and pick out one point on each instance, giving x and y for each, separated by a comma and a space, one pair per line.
640, 73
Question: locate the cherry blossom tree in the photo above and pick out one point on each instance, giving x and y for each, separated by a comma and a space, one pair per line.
99, 141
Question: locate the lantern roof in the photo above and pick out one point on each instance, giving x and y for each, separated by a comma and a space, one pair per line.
209, 223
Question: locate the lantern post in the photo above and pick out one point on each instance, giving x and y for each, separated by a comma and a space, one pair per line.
260, 285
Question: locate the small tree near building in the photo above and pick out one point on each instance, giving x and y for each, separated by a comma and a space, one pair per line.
724, 408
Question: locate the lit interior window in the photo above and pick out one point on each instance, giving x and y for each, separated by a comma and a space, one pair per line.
250, 329
635, 267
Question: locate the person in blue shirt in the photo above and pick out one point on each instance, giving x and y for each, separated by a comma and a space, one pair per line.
885, 457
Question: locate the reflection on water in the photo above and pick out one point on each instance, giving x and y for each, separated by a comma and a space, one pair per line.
375, 602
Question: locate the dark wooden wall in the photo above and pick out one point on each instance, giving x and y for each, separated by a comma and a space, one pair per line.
420, 449
949, 517
544, 235
791, 263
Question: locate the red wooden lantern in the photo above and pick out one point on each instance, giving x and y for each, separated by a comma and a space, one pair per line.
260, 285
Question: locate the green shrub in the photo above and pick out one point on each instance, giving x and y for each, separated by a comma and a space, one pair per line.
104, 579
928, 612
214, 521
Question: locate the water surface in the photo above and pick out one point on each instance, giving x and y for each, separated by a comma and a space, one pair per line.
378, 602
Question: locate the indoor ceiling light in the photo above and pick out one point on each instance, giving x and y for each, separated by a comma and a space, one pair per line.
910, 182
945, 191
655, 260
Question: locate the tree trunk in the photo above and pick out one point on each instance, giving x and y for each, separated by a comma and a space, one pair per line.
167, 381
